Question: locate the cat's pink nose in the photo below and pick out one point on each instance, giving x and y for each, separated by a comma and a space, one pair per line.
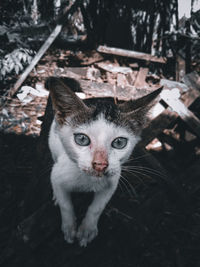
100, 161
100, 166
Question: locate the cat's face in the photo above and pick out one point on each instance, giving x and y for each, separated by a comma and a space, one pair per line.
97, 134
98, 147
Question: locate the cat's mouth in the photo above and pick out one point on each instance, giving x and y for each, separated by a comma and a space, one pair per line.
95, 173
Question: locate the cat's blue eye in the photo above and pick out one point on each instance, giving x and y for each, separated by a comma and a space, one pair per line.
119, 142
81, 139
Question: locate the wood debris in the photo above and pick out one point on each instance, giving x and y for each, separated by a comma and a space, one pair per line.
131, 54
140, 81
101, 79
22, 114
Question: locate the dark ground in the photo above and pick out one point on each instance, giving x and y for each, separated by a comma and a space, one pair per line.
158, 225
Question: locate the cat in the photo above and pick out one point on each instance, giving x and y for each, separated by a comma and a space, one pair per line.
89, 141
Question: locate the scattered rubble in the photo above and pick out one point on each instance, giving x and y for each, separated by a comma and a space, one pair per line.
100, 79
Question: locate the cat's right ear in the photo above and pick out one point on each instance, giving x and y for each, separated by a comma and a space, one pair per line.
65, 102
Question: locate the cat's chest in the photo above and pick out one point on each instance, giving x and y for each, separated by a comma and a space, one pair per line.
89, 183
73, 179
86, 183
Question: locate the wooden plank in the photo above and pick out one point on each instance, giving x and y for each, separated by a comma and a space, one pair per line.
157, 126
122, 80
140, 81
113, 68
81, 71
187, 89
168, 84
131, 77
95, 89
107, 90
190, 96
186, 115
192, 80
90, 73
131, 54
180, 68
167, 117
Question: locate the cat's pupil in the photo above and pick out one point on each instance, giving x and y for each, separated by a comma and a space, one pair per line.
81, 139
119, 142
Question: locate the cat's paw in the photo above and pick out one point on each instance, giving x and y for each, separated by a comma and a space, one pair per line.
86, 233
69, 231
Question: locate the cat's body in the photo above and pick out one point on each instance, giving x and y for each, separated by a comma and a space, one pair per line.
89, 142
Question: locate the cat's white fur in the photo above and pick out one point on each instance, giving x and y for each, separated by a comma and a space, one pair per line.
72, 171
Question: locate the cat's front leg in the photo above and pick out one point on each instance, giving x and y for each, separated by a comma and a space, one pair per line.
88, 229
68, 219
63, 199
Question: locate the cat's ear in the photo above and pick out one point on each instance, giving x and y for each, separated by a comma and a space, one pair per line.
65, 102
144, 102
136, 110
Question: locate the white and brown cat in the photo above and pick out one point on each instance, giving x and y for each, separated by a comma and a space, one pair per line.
89, 141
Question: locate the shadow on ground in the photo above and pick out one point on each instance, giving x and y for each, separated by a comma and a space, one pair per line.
157, 224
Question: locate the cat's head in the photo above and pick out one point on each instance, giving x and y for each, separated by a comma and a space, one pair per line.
97, 134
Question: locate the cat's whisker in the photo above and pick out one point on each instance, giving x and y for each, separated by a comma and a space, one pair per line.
125, 186
135, 171
147, 170
121, 182
129, 184
143, 167
120, 186
131, 159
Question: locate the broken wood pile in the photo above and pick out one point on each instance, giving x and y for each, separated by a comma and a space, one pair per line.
101, 78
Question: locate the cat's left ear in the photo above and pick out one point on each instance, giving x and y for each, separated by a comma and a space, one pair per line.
65, 102
136, 110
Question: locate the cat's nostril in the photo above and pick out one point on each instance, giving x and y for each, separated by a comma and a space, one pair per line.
99, 166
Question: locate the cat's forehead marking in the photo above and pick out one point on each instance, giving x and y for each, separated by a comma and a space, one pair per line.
102, 129
105, 108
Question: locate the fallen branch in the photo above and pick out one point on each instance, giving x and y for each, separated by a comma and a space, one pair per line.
44, 48
35, 60
132, 54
